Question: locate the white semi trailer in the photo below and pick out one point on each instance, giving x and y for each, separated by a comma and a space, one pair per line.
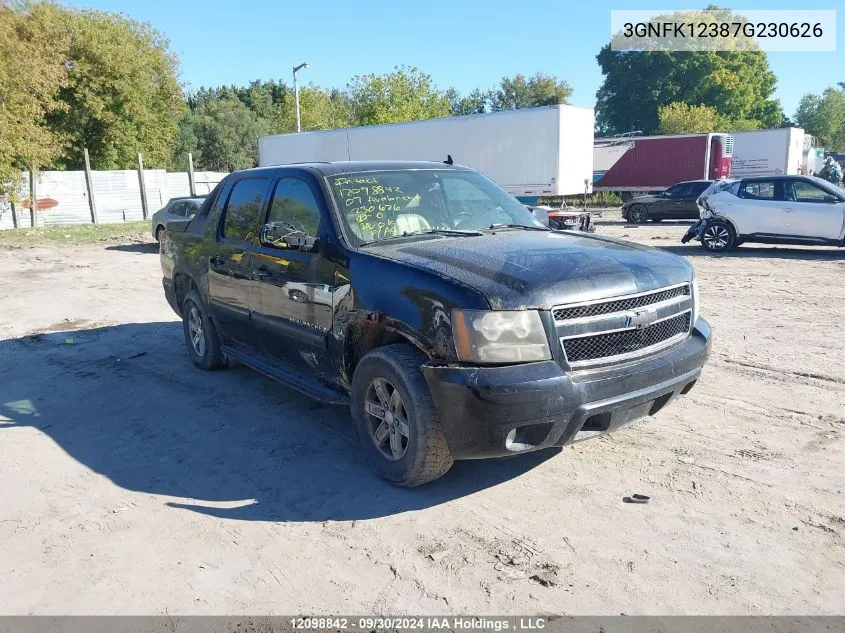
533, 152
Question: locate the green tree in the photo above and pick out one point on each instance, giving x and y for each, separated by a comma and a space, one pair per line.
476, 102
823, 116
318, 110
406, 94
33, 50
681, 118
521, 92
736, 83
221, 133
122, 94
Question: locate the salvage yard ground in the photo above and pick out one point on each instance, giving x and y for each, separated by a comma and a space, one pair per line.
134, 483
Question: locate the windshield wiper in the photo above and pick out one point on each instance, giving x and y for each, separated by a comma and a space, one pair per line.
460, 232
519, 226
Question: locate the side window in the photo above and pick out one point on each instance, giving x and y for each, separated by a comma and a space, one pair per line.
697, 188
240, 220
757, 190
675, 190
177, 208
191, 209
808, 192
294, 205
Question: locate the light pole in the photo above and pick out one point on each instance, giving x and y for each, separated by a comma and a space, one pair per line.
296, 69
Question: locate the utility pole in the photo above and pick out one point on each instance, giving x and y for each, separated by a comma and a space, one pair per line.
296, 69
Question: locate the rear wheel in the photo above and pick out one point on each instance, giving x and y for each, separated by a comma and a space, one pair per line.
718, 237
638, 214
397, 422
200, 335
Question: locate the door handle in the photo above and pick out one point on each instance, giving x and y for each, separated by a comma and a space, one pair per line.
216, 261
263, 271
788, 210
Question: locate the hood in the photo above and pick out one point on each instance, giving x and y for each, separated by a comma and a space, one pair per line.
536, 269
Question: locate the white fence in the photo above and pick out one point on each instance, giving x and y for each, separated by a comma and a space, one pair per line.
117, 195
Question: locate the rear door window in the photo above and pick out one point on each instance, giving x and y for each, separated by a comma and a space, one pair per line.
803, 191
240, 217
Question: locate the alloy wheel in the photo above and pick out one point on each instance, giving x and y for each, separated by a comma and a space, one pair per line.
387, 419
195, 329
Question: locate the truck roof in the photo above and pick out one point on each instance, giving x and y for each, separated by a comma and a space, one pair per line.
347, 166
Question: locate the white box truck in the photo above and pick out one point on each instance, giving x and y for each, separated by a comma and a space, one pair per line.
782, 151
533, 152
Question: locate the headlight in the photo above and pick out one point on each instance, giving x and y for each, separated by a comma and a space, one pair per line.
483, 336
695, 302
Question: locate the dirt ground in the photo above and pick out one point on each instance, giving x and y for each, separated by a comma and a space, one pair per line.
134, 483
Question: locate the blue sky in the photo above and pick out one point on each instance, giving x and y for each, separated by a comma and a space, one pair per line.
460, 43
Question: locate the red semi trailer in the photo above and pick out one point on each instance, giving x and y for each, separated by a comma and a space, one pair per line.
639, 165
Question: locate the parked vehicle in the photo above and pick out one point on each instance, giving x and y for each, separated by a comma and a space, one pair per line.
787, 151
646, 165
563, 219
773, 210
531, 152
448, 318
676, 202
175, 209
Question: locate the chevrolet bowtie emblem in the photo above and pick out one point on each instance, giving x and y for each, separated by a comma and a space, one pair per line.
640, 319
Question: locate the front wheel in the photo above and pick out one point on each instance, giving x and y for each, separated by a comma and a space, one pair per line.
718, 237
398, 425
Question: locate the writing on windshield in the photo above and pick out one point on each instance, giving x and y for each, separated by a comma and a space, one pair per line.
385, 204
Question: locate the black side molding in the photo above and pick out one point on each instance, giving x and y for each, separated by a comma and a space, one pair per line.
289, 377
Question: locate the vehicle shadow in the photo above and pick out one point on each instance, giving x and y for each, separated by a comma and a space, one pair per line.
144, 247
126, 402
822, 254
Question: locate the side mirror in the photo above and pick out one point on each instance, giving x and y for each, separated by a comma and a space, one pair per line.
831, 199
275, 234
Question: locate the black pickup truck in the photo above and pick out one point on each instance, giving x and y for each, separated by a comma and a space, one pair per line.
451, 320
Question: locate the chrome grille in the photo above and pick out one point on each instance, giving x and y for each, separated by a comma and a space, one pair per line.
629, 303
624, 342
620, 328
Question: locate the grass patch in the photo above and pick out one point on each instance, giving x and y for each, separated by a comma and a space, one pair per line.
76, 234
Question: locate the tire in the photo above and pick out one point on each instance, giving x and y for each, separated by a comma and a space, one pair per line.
159, 233
421, 454
718, 237
638, 214
200, 336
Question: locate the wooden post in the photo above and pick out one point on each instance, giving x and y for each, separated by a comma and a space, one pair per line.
143, 186
192, 185
14, 215
89, 184
33, 204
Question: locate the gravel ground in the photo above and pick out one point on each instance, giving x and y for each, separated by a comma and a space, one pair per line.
134, 483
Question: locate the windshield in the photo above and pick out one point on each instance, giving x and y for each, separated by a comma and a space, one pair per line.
380, 205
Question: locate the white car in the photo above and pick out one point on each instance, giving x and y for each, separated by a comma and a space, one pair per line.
770, 210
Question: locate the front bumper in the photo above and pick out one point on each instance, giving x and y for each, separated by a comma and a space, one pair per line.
497, 411
694, 231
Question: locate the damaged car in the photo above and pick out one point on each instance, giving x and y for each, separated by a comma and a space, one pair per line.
449, 320
797, 210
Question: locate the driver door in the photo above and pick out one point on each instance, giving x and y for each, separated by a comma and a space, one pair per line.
293, 312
